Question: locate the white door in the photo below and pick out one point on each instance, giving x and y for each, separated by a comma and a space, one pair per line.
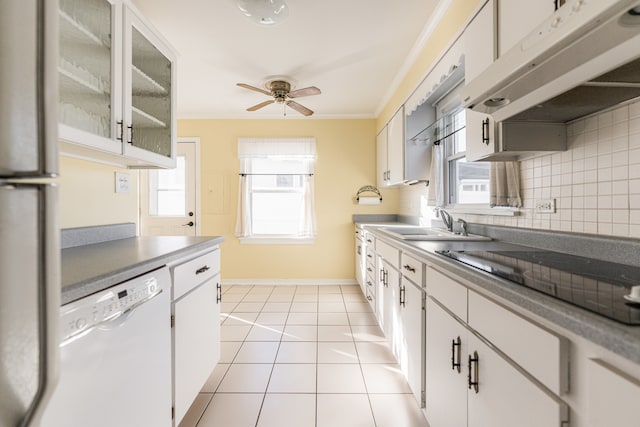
168, 197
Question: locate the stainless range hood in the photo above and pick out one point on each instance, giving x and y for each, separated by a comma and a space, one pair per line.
583, 59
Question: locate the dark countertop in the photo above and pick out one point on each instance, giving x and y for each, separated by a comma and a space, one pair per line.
619, 338
91, 268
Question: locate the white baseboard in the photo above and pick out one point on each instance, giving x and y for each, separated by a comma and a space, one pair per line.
301, 282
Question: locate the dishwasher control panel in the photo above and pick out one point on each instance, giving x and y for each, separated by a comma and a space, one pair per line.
98, 310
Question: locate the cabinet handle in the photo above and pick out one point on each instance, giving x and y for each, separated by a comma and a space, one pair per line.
369, 298
130, 141
369, 256
369, 269
369, 240
218, 292
120, 124
386, 279
359, 249
202, 269
485, 131
402, 296
455, 356
382, 275
409, 268
473, 360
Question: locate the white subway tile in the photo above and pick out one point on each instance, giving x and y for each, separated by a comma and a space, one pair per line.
620, 187
604, 188
591, 123
621, 114
620, 230
620, 143
620, 173
634, 109
620, 216
605, 229
605, 174
604, 136
605, 119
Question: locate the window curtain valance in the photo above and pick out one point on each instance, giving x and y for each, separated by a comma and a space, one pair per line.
274, 148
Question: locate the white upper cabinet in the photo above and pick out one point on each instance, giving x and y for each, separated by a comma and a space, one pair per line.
381, 158
480, 42
90, 101
480, 52
517, 18
395, 148
116, 86
149, 84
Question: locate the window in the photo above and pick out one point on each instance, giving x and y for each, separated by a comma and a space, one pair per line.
466, 183
167, 191
276, 190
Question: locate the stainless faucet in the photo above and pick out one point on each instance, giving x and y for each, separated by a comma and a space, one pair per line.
446, 218
463, 227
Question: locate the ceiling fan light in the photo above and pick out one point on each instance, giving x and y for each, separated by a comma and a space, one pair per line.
264, 12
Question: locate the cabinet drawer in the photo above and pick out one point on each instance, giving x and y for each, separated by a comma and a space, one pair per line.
188, 275
448, 292
608, 408
412, 269
371, 256
389, 253
540, 352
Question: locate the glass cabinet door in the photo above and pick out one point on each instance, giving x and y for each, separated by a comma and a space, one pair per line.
85, 66
149, 97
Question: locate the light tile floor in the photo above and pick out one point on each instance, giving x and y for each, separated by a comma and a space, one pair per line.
303, 356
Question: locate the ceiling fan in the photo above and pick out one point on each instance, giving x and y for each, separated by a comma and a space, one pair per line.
281, 92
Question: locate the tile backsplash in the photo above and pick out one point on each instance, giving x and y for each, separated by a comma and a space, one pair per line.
595, 183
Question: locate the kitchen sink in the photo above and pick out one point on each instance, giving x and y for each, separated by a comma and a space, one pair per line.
429, 234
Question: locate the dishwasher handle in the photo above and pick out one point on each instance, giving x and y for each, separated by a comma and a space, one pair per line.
107, 320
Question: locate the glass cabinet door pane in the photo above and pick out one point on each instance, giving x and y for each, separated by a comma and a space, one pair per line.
151, 96
85, 65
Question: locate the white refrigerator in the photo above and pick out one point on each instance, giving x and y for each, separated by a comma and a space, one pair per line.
29, 231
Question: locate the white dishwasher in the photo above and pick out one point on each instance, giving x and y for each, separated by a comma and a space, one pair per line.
115, 357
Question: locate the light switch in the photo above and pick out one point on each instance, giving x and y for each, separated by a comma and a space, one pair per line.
123, 181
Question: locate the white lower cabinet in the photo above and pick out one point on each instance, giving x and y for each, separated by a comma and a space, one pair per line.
500, 395
388, 317
196, 339
195, 326
499, 392
410, 345
446, 379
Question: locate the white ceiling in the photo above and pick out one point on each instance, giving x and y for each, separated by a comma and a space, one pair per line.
353, 50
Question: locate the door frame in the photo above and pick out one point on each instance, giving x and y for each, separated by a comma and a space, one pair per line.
196, 141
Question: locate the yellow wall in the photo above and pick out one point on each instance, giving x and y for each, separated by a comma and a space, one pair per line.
88, 197
346, 161
449, 26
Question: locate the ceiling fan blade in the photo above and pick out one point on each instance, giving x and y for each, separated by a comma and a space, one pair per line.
299, 108
257, 89
262, 104
307, 91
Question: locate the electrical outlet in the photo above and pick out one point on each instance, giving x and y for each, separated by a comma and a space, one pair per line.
123, 183
545, 206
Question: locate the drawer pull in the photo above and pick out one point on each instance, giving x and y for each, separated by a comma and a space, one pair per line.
472, 379
218, 292
202, 269
402, 296
409, 268
455, 356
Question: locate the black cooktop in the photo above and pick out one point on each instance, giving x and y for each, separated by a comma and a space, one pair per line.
598, 286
